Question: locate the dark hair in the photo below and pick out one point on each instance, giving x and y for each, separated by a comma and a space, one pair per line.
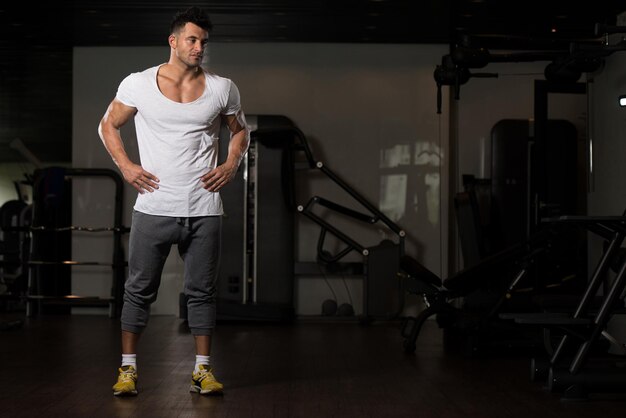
193, 15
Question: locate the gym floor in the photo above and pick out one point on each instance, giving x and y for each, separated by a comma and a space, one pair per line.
64, 366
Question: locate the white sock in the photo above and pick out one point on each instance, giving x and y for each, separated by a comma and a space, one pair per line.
201, 360
129, 360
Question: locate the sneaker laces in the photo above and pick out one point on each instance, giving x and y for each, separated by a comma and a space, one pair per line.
126, 375
204, 373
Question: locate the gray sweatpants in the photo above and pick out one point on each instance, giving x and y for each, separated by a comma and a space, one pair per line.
151, 238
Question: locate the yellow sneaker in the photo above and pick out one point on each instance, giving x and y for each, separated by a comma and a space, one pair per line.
204, 383
126, 382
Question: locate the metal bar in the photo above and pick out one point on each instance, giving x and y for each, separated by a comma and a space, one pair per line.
329, 258
596, 280
344, 210
287, 126
75, 228
393, 226
600, 319
118, 252
343, 237
72, 263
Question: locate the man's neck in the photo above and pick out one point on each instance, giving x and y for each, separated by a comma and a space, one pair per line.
182, 72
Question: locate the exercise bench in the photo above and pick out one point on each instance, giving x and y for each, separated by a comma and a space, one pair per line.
583, 326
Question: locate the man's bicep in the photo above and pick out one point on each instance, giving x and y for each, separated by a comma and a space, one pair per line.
236, 122
118, 114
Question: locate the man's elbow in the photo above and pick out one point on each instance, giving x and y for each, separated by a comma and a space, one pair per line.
242, 133
101, 130
246, 135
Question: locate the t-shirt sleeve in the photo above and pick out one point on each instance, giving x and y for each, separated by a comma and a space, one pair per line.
233, 105
126, 91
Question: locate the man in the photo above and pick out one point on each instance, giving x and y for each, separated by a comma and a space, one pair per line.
177, 108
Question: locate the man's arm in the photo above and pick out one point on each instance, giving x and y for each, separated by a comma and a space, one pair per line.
215, 179
115, 117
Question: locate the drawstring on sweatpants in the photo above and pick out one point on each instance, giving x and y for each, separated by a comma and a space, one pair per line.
183, 222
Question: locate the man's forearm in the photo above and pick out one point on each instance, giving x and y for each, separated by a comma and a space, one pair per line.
114, 145
238, 147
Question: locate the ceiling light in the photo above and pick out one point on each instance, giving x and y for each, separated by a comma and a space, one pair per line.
622, 100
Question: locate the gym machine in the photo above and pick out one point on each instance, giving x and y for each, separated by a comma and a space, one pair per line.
496, 280
379, 266
256, 267
49, 260
13, 243
578, 363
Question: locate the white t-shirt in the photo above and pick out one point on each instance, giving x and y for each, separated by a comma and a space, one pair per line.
178, 142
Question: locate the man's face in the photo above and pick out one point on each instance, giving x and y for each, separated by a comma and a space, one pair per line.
190, 43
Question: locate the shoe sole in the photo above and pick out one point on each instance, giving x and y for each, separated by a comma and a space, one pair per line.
196, 389
125, 393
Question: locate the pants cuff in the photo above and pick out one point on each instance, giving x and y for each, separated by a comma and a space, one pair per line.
132, 328
201, 331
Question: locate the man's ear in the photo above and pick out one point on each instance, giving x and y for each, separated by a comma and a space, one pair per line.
172, 41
